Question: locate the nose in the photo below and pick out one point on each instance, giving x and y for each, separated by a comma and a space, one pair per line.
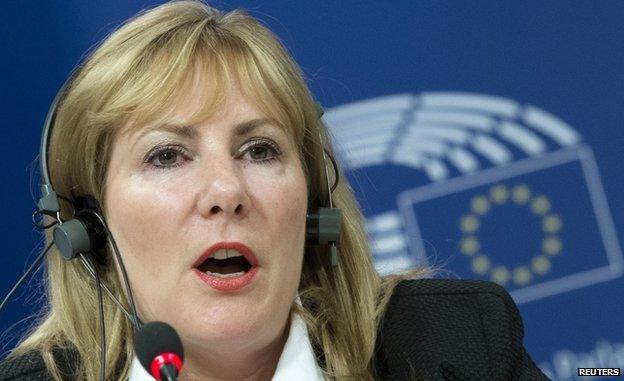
223, 192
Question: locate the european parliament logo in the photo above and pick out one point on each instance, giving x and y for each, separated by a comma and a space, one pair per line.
507, 192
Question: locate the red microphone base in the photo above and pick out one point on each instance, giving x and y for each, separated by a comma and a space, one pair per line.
167, 358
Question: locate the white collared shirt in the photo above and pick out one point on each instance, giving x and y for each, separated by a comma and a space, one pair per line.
297, 361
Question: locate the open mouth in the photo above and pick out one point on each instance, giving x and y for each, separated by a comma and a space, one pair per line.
230, 267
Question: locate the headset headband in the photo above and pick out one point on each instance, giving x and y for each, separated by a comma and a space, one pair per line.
48, 203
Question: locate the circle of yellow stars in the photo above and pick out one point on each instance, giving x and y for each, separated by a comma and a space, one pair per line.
499, 195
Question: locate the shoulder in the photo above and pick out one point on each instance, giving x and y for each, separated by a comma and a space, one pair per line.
440, 308
444, 307
455, 328
29, 366
451, 295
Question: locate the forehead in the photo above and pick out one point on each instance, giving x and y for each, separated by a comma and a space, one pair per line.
238, 129
198, 101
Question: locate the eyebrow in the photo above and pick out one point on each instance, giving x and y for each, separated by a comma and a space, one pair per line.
190, 132
247, 127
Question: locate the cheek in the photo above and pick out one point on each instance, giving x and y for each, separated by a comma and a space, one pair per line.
284, 201
286, 216
287, 203
138, 219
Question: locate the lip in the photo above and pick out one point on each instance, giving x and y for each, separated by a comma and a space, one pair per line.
238, 246
228, 284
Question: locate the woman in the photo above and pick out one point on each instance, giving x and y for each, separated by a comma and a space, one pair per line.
196, 134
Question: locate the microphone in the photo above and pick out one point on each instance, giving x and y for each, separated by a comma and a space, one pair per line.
159, 349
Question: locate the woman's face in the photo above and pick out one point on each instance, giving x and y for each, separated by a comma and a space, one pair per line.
172, 192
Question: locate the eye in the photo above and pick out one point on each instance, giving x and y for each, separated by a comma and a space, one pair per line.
262, 151
166, 157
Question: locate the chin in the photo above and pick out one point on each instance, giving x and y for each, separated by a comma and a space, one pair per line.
233, 320
229, 333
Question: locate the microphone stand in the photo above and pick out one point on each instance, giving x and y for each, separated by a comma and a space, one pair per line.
168, 372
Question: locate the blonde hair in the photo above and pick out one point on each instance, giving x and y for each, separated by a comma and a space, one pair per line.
135, 78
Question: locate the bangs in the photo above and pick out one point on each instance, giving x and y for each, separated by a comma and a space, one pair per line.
186, 66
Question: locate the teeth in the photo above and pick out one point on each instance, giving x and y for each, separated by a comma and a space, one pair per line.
226, 253
220, 254
232, 275
233, 253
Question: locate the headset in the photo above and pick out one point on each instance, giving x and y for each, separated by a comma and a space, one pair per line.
86, 233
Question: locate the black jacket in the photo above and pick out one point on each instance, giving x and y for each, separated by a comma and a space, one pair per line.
438, 329
433, 330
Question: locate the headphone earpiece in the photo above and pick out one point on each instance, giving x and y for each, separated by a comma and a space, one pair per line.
84, 233
323, 227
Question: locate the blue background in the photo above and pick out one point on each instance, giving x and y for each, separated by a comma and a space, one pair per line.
564, 57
